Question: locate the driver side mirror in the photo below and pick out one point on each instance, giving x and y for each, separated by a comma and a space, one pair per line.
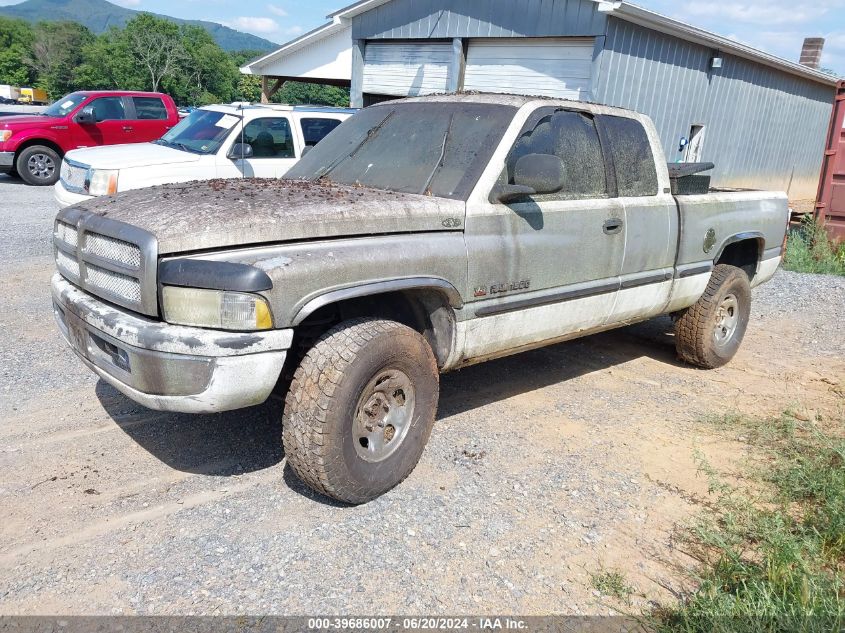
239, 151
86, 116
533, 174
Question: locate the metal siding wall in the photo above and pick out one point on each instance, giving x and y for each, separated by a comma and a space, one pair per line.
761, 123
423, 19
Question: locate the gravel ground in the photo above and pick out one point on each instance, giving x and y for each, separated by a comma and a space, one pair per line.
543, 469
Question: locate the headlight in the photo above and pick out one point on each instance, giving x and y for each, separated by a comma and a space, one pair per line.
5, 135
102, 182
215, 309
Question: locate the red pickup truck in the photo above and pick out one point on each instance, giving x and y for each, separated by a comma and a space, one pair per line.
32, 146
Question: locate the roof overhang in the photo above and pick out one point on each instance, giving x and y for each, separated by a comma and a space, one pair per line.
657, 22
308, 39
342, 18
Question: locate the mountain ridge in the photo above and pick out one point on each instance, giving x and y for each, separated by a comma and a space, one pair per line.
100, 15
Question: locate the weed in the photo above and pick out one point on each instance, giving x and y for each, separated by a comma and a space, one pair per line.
773, 562
612, 583
809, 250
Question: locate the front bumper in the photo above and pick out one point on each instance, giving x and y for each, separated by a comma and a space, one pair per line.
7, 162
67, 198
169, 367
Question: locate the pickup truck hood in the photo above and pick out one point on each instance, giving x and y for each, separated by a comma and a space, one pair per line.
131, 155
28, 120
229, 213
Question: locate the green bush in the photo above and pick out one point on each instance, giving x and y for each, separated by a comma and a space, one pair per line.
810, 250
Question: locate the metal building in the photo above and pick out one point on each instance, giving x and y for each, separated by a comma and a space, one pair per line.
761, 119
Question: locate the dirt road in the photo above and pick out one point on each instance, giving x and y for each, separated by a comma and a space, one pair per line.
543, 469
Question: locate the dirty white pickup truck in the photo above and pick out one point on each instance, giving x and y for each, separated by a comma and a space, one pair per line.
419, 237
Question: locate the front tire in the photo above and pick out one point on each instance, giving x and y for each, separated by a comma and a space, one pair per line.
38, 165
709, 333
360, 409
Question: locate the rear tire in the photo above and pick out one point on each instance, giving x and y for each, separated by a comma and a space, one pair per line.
360, 409
709, 333
38, 165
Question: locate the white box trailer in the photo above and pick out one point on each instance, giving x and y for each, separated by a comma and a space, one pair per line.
10, 92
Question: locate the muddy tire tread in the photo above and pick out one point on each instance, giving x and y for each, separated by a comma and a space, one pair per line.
310, 399
691, 327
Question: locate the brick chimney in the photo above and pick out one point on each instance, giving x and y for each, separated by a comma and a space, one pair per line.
811, 53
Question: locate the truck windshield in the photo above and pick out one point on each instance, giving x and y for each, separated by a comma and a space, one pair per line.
201, 132
65, 105
438, 149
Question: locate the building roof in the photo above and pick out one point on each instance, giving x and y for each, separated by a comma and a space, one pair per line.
341, 19
657, 22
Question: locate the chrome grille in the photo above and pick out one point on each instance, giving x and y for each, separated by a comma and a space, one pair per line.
67, 265
108, 258
73, 176
67, 234
113, 249
112, 282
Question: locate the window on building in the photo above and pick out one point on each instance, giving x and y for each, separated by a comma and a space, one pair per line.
571, 136
149, 108
632, 156
315, 130
270, 137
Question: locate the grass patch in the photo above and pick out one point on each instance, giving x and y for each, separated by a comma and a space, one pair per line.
809, 250
771, 560
612, 583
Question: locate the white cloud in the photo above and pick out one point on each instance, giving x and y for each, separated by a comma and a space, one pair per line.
277, 10
254, 24
293, 30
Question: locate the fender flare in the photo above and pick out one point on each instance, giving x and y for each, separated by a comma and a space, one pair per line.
757, 236
378, 287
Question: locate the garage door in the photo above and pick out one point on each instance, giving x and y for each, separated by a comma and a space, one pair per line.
406, 69
548, 66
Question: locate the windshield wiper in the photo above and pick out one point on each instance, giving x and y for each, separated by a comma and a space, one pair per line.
371, 133
439, 164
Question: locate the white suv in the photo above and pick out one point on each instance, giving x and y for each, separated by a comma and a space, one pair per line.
219, 141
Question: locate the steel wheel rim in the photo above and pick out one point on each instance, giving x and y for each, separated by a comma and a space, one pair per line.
41, 165
384, 415
727, 320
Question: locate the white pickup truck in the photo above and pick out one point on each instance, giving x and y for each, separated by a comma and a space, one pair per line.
422, 236
219, 141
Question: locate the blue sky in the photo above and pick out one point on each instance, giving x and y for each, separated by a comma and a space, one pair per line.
776, 26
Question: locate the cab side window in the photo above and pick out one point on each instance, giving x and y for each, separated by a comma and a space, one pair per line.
632, 157
270, 137
149, 108
108, 109
315, 130
571, 136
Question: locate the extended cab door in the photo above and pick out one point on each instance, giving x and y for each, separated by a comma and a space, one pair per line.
546, 266
273, 149
110, 127
148, 119
650, 217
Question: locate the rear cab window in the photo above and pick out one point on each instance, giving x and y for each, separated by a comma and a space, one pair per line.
315, 129
633, 160
149, 109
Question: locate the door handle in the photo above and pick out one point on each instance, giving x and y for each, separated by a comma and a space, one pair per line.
128, 128
613, 226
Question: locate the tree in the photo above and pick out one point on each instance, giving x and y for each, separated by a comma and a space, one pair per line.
156, 46
297, 92
15, 42
57, 51
208, 74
